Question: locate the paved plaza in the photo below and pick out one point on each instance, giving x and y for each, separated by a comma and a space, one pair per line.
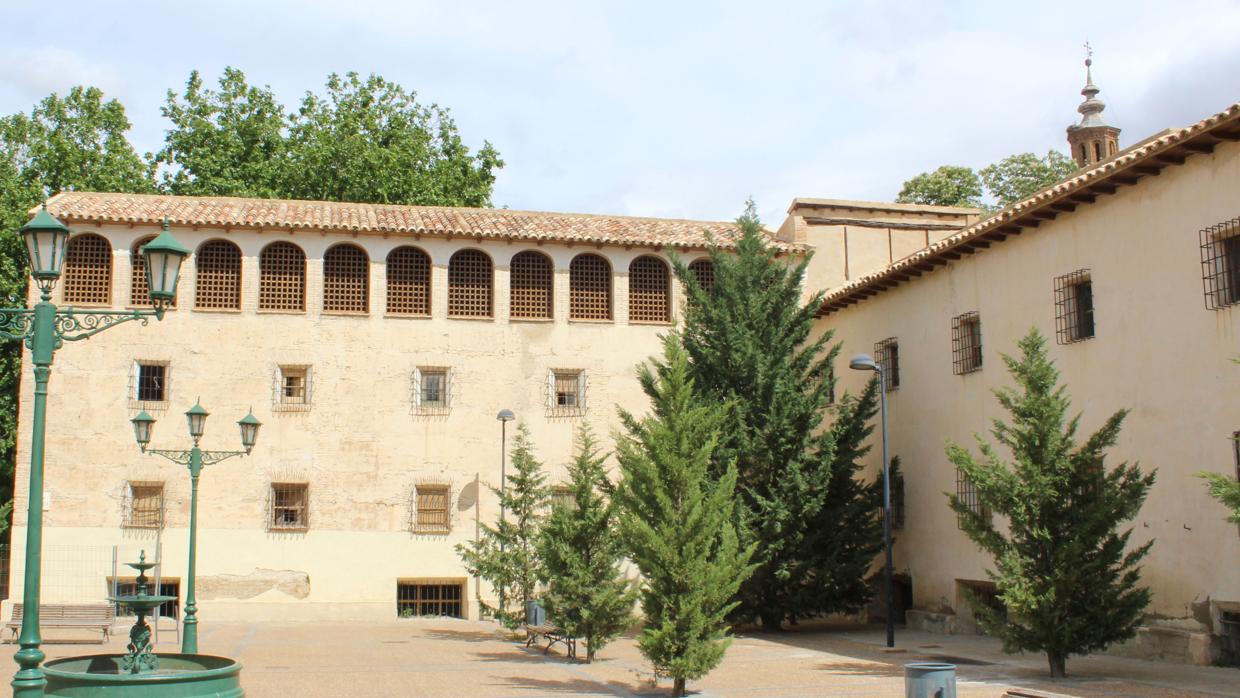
460, 659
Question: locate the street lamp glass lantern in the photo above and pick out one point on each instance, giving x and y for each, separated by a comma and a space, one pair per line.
863, 362
45, 239
249, 431
197, 417
163, 257
505, 416
143, 424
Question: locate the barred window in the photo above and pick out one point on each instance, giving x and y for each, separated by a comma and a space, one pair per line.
408, 282
430, 512
145, 508
589, 288
566, 392
966, 343
282, 277
1074, 307
429, 598
150, 381
650, 298
432, 390
1220, 264
217, 269
887, 354
530, 284
88, 270
469, 284
346, 280
290, 506
140, 286
966, 492
293, 388
562, 496
704, 271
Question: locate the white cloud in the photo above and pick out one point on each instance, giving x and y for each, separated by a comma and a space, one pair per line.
36, 71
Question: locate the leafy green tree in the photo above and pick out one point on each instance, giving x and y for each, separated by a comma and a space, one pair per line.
677, 517
580, 547
1226, 490
1062, 569
1018, 176
226, 142
950, 185
750, 342
505, 555
370, 140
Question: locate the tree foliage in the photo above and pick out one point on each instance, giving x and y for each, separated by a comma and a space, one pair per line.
950, 185
1018, 176
750, 344
1065, 574
677, 516
587, 595
1226, 490
505, 554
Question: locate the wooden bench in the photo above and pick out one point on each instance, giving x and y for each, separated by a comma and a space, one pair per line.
552, 635
69, 615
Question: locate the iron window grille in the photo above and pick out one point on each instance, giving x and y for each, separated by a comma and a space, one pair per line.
966, 492
530, 284
650, 298
140, 286
429, 598
144, 505
346, 280
128, 586
432, 390
589, 288
294, 388
469, 284
1220, 264
282, 277
1074, 307
289, 508
562, 496
88, 270
985, 592
408, 282
432, 509
566, 392
887, 353
966, 343
704, 271
1235, 447
150, 383
217, 280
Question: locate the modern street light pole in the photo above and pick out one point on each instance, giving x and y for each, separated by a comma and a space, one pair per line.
44, 329
505, 416
864, 362
195, 459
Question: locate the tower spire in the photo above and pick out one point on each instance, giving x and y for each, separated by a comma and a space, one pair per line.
1092, 140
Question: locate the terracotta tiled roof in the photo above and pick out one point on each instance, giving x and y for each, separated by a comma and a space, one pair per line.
1146, 158
439, 221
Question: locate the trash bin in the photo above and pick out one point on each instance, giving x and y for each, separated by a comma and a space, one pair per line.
929, 680
535, 614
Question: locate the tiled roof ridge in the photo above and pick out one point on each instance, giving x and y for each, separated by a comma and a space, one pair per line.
1099, 173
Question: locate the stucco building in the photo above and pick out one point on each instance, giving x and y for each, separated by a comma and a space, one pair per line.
377, 343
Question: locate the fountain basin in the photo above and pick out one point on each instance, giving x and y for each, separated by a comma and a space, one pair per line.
178, 676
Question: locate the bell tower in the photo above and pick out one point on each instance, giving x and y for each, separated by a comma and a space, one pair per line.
1092, 140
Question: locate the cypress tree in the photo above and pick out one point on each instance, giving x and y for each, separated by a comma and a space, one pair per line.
1062, 569
504, 555
678, 520
587, 594
750, 340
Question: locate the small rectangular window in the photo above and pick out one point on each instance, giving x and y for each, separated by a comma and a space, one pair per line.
429, 598
966, 343
566, 392
146, 505
887, 354
966, 492
432, 390
431, 509
290, 506
1220, 264
152, 382
566, 389
294, 385
562, 496
1074, 307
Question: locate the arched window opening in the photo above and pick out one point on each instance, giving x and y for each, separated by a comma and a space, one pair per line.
530, 284
469, 284
88, 270
140, 285
217, 269
650, 299
589, 288
408, 282
346, 280
704, 271
282, 277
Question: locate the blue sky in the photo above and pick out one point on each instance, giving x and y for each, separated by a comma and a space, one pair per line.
665, 108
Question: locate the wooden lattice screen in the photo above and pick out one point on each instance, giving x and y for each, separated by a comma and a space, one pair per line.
88, 270
282, 277
704, 271
140, 286
530, 285
346, 280
218, 276
589, 288
469, 284
431, 509
408, 282
146, 505
650, 298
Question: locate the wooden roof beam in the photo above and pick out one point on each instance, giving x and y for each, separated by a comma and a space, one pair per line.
1103, 188
1227, 135
1126, 180
1083, 197
1200, 146
1064, 206
1148, 170
1044, 215
1170, 158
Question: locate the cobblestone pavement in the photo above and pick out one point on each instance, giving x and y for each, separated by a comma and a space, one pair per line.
461, 659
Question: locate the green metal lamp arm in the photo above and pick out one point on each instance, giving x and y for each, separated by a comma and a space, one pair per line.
16, 324
73, 325
182, 456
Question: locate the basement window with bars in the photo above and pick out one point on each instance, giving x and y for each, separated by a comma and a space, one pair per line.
566, 392
887, 354
1074, 307
289, 508
431, 512
149, 381
293, 388
416, 597
128, 586
1220, 264
966, 492
966, 343
562, 496
432, 390
144, 504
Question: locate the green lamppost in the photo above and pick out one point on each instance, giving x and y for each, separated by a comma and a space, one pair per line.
195, 458
44, 329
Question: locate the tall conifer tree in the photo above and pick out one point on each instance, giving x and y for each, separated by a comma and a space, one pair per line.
750, 339
587, 595
678, 520
1065, 574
